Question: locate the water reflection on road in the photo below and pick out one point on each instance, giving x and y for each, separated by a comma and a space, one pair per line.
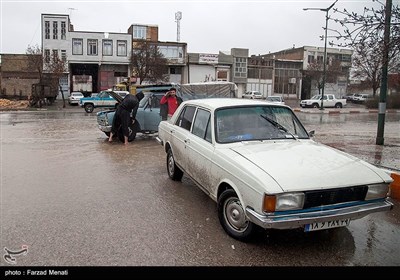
356, 134
76, 199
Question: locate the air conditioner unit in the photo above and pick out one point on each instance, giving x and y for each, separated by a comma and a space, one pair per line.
292, 80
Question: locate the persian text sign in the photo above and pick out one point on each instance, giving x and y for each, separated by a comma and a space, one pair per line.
208, 58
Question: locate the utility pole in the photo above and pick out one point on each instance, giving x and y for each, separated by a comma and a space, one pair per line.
383, 89
325, 53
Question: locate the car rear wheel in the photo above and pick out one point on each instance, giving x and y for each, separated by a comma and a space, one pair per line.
232, 216
89, 108
174, 172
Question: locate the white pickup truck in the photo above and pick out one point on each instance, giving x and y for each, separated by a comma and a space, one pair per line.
330, 101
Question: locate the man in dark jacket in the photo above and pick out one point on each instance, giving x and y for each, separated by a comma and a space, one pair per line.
122, 118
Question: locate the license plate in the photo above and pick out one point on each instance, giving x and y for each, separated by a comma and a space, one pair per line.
327, 225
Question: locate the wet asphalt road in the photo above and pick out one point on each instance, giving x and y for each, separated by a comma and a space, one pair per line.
74, 199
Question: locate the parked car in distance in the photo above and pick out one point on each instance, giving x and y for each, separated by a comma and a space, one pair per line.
253, 95
258, 163
328, 101
361, 98
275, 99
74, 97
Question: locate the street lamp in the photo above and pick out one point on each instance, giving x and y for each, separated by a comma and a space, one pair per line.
326, 35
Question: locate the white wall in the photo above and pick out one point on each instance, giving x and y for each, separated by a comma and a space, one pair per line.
261, 85
200, 73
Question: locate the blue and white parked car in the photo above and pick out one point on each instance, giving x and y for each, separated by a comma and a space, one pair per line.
102, 100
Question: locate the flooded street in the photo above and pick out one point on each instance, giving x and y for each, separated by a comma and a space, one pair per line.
76, 200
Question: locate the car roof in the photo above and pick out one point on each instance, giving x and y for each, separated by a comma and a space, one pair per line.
214, 103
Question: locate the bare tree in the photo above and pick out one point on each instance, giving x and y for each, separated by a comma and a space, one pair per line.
364, 33
50, 68
148, 63
35, 59
316, 74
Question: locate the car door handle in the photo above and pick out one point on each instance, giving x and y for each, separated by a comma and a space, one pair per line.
187, 141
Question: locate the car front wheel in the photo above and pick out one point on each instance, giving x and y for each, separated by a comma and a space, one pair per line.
232, 216
132, 130
174, 172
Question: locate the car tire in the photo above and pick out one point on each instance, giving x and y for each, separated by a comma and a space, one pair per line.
174, 172
133, 129
315, 105
89, 108
338, 105
233, 218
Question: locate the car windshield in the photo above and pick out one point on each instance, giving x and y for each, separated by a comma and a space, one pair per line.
250, 123
104, 94
277, 99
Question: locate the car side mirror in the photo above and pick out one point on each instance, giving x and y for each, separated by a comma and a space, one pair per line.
311, 133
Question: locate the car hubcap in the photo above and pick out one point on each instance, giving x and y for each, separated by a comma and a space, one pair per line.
234, 214
171, 164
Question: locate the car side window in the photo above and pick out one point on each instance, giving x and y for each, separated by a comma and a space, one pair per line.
200, 123
186, 117
155, 101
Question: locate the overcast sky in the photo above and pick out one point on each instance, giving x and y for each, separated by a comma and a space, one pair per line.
262, 26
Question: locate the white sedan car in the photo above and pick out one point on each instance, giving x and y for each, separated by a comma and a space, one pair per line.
256, 160
75, 97
253, 95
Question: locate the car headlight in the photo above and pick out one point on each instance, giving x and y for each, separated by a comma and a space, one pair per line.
283, 202
376, 191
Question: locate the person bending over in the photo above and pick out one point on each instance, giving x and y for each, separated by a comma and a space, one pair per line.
122, 118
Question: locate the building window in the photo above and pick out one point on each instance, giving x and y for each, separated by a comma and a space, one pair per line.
240, 67
311, 59
107, 47
121, 48
172, 52
92, 47
55, 30
64, 55
47, 29
63, 31
139, 32
47, 56
346, 58
222, 75
320, 59
77, 46
55, 55
175, 70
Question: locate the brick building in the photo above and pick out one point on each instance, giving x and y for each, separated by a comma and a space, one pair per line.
17, 76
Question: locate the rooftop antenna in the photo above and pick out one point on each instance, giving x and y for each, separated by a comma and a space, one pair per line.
70, 11
178, 17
